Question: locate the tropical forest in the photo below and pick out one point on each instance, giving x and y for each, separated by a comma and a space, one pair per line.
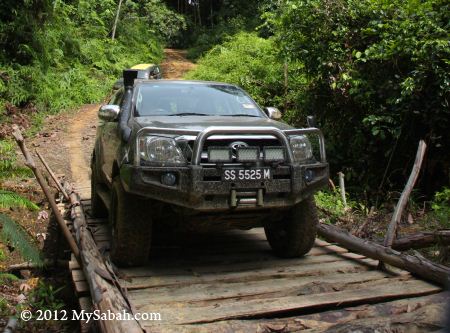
372, 75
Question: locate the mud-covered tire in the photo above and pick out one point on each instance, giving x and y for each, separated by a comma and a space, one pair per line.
98, 208
131, 227
294, 236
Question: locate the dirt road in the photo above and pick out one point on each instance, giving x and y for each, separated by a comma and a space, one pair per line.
175, 64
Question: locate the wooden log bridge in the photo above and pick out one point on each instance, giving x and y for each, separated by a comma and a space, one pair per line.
231, 281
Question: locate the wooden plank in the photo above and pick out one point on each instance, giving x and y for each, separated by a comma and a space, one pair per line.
262, 247
81, 288
186, 313
78, 275
214, 237
417, 314
246, 290
321, 250
101, 237
321, 242
85, 305
233, 244
96, 231
93, 220
185, 259
268, 273
73, 265
271, 263
208, 241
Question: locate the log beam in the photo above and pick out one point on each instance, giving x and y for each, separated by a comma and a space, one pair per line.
29, 162
422, 239
106, 292
418, 266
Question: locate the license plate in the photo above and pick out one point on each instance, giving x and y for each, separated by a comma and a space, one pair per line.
246, 174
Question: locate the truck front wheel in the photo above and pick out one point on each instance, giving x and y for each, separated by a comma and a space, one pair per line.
294, 236
131, 228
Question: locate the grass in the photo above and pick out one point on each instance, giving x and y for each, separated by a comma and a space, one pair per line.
8, 162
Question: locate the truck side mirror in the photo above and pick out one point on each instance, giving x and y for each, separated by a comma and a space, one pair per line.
311, 121
109, 112
273, 113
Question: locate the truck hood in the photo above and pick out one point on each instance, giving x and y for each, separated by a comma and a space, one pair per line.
202, 122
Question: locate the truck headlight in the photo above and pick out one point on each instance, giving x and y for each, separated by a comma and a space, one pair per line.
160, 150
301, 148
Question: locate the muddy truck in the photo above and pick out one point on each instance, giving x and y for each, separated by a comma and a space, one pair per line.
202, 156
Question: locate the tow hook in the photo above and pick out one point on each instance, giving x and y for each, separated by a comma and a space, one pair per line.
246, 198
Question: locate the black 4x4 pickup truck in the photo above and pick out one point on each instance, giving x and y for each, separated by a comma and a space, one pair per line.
204, 155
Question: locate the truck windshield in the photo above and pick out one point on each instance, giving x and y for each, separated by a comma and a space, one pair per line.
184, 99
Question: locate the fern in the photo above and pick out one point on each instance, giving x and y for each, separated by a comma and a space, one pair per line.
14, 234
10, 199
6, 277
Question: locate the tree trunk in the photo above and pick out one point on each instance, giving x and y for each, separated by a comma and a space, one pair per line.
116, 20
392, 230
418, 266
29, 162
106, 291
421, 240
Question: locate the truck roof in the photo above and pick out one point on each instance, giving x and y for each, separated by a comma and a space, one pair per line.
187, 82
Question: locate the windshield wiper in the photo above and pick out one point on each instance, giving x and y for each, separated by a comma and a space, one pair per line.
188, 114
239, 115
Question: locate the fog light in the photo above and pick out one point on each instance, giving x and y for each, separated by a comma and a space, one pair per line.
219, 154
168, 179
309, 175
247, 154
274, 154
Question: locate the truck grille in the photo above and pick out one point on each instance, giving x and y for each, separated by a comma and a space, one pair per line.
227, 142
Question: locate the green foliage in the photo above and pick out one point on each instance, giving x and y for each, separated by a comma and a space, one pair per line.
45, 297
8, 167
374, 72
71, 60
206, 38
57, 55
10, 199
7, 278
3, 307
227, 18
163, 22
18, 238
441, 207
246, 60
377, 79
330, 201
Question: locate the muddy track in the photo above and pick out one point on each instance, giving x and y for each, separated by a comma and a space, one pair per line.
80, 141
81, 128
175, 64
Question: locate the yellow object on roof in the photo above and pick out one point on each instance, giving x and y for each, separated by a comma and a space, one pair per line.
142, 66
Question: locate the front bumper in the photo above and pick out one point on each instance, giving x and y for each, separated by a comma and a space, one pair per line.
203, 189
